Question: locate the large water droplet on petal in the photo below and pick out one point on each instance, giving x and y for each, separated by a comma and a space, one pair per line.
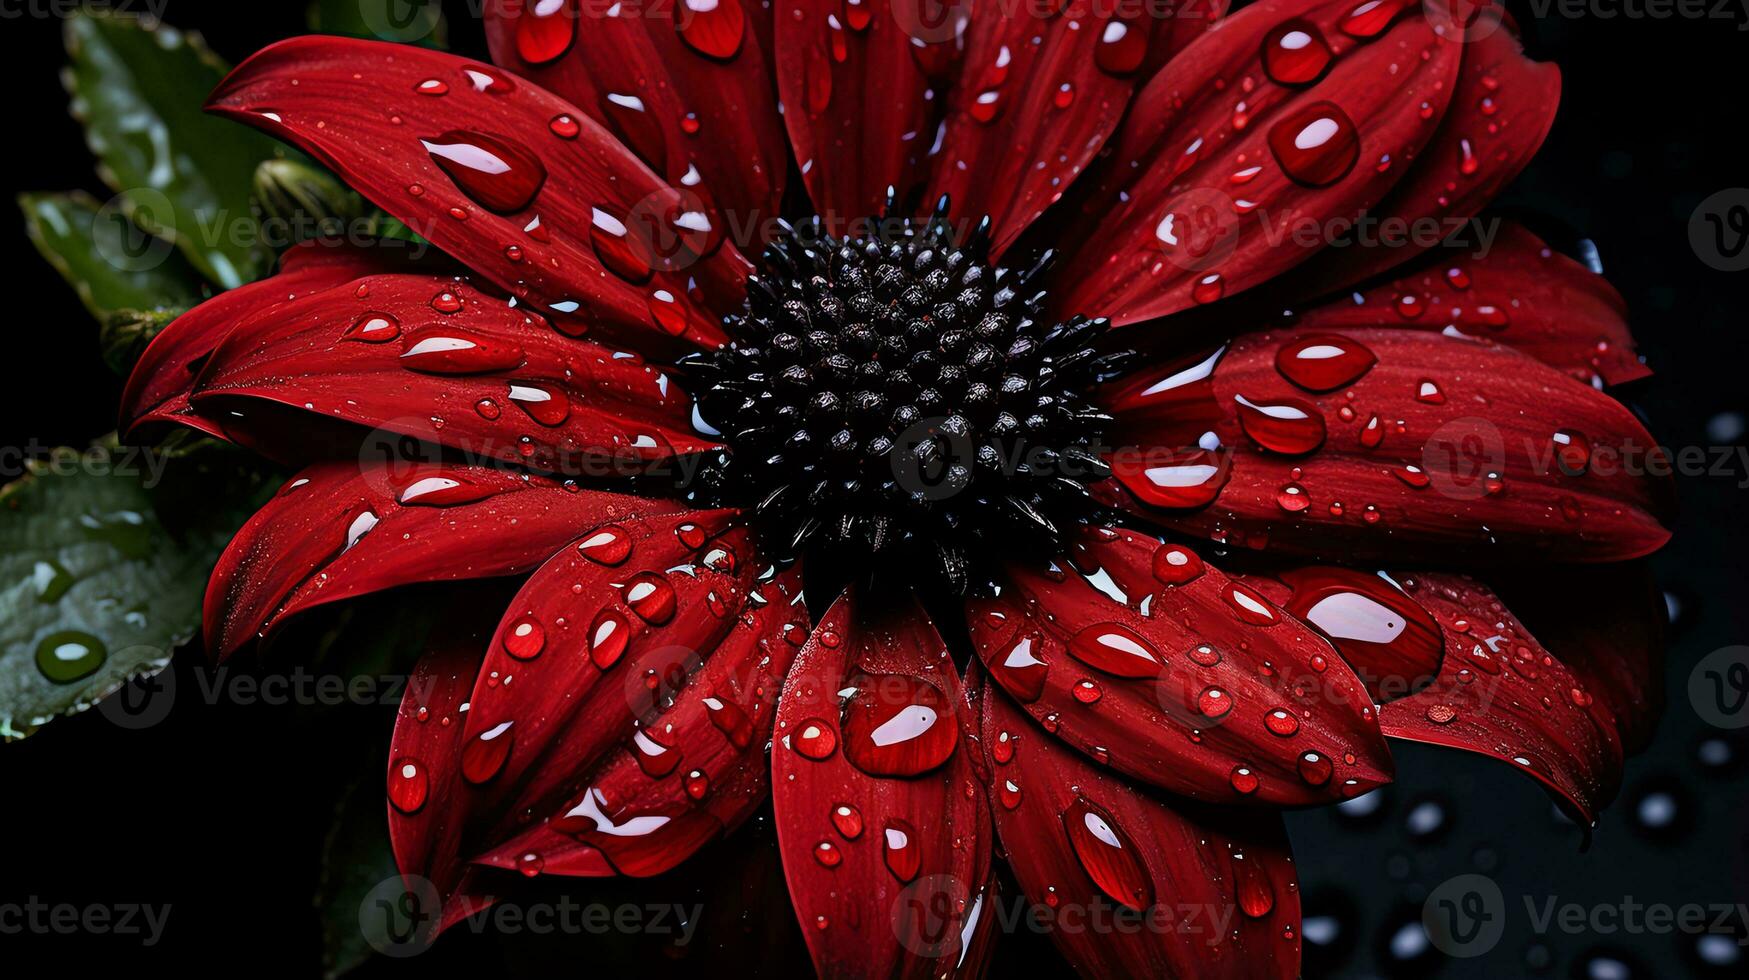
545, 30
898, 725
1108, 855
1316, 145
485, 754
1295, 53
1117, 650
500, 173
1285, 425
1323, 362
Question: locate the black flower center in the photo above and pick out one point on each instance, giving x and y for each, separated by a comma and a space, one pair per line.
893, 395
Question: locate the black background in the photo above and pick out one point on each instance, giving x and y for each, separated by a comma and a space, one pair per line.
221, 809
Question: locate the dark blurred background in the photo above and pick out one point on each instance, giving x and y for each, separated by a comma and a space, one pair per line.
221, 810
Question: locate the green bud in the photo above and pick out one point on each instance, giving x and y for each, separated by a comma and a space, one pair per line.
124, 334
299, 202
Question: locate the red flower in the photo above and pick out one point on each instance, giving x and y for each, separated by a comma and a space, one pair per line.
882, 408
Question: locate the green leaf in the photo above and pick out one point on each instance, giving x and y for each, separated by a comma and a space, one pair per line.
109, 262
356, 859
181, 174
404, 21
101, 574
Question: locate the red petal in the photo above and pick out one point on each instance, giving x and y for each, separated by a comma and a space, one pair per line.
157, 390
884, 831
695, 769
1036, 97
1501, 694
1606, 623
1229, 699
1441, 444
705, 89
440, 361
415, 131
424, 768
1518, 293
1211, 891
597, 636
856, 95
340, 530
1500, 111
1216, 157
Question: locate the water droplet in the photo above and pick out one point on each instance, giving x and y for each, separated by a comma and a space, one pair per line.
1123, 44
545, 30
408, 785
624, 254
1117, 650
1316, 145
650, 595
815, 739
901, 850
545, 403
606, 545
485, 754
525, 638
373, 328
1108, 855
1572, 451
1295, 53
898, 725
1323, 362
608, 636
1281, 721
713, 28
1184, 480
1214, 702
848, 820
1288, 426
1175, 564
499, 173
70, 655
730, 720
